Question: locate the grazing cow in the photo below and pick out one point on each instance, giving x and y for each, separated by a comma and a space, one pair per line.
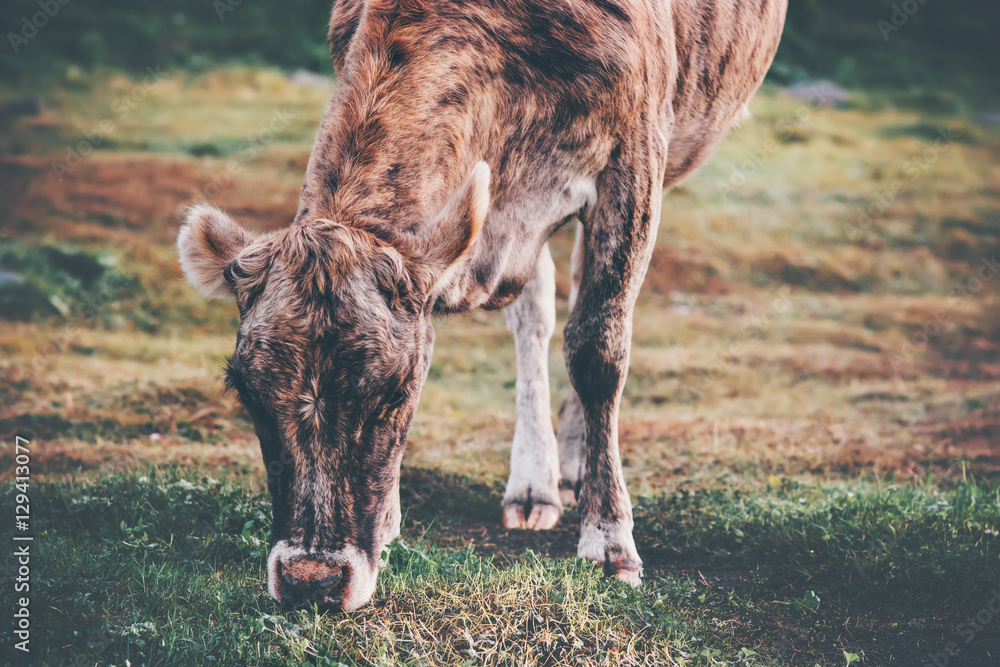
461, 135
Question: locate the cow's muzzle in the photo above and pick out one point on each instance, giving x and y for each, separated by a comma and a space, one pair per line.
304, 580
336, 580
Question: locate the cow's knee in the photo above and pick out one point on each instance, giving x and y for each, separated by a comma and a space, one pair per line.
597, 352
532, 316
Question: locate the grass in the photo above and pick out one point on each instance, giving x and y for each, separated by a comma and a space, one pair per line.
810, 427
166, 567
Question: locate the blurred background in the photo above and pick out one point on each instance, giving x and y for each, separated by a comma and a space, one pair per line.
863, 193
822, 305
888, 45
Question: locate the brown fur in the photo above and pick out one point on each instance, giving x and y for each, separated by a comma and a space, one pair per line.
461, 135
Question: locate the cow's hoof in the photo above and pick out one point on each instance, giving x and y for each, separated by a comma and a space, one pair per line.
542, 516
610, 543
633, 577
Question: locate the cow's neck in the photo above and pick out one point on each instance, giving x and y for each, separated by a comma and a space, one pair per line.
387, 158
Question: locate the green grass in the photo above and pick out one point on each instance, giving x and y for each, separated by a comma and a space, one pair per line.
167, 567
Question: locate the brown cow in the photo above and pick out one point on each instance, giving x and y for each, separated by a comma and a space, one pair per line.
461, 135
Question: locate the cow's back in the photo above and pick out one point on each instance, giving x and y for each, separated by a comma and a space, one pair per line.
723, 50
716, 55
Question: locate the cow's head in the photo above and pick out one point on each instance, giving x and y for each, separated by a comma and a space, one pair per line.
333, 348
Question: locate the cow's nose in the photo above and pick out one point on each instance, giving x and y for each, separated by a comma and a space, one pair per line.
306, 580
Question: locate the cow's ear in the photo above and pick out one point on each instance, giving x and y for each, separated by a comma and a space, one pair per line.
458, 225
206, 243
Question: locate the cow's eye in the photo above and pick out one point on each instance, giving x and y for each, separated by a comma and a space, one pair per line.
397, 398
232, 381
236, 376
233, 272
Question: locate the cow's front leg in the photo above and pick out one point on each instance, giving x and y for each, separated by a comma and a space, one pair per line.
619, 236
532, 497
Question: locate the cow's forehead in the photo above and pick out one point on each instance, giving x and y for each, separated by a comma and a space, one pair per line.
290, 326
293, 299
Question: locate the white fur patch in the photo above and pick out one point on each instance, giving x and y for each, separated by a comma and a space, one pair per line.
594, 540
591, 545
283, 551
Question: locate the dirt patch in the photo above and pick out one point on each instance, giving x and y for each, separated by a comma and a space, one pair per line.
142, 193
685, 270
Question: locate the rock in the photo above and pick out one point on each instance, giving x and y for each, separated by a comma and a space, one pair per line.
9, 278
303, 77
23, 106
988, 119
819, 93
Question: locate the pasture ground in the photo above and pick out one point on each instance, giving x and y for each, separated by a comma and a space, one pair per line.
810, 430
